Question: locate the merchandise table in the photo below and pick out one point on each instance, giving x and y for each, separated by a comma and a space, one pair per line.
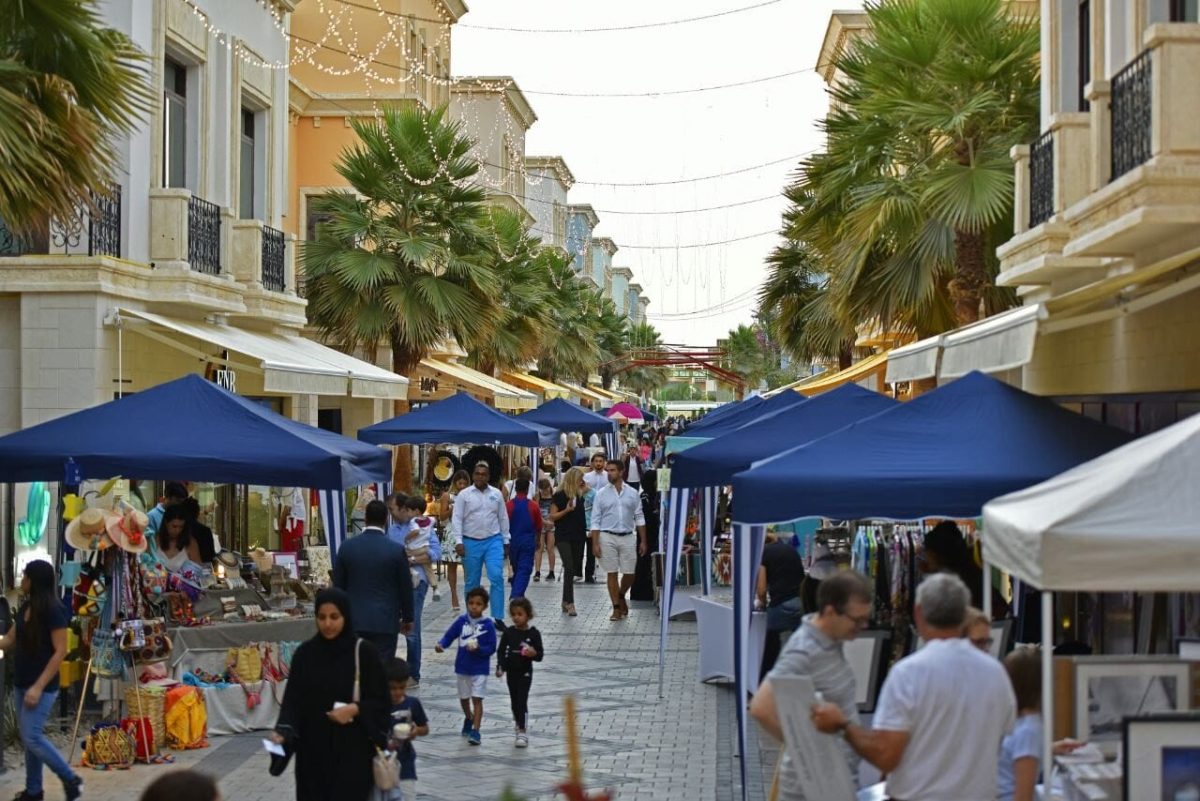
205, 647
714, 623
229, 712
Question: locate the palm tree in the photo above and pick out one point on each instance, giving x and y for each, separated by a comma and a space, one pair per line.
403, 258
522, 316
904, 209
747, 354
643, 338
68, 88
572, 348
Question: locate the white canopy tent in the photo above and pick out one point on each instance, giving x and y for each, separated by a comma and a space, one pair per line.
1126, 521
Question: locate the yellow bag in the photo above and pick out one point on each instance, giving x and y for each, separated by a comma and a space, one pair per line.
245, 663
186, 719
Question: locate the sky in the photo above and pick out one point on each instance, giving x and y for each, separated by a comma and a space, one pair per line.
696, 293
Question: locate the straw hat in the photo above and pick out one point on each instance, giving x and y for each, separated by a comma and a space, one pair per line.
128, 530
88, 531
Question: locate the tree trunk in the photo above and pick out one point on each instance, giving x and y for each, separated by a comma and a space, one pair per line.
846, 354
971, 276
404, 360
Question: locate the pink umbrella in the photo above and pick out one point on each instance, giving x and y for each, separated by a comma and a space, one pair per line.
628, 411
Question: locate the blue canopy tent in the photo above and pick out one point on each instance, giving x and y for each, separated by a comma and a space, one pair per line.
562, 415
944, 454
708, 466
746, 408
457, 419
192, 430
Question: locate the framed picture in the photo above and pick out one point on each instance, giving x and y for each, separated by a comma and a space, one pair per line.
1002, 635
865, 655
1108, 690
289, 561
1162, 757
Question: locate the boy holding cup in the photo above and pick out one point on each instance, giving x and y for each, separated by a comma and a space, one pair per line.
476, 635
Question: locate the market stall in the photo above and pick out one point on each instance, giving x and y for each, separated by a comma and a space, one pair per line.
1123, 522
943, 454
139, 611
564, 416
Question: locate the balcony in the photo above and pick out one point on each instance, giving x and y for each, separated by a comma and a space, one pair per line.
1145, 199
204, 236
94, 230
273, 256
1041, 179
187, 233
264, 263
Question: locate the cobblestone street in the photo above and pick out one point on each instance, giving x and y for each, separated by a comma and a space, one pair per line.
641, 747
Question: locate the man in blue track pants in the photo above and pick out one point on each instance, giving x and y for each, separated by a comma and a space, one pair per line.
479, 527
524, 523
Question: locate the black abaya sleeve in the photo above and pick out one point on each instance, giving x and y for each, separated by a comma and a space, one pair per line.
374, 709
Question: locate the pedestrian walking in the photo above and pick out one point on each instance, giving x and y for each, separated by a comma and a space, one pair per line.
408, 721
421, 560
570, 533
524, 523
450, 557
935, 735
616, 513
373, 570
545, 496
476, 636
520, 647
480, 530
335, 706
38, 642
816, 651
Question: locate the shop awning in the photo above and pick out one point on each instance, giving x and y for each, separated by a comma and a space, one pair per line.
289, 364
607, 393
870, 369
590, 395
548, 389
1002, 342
503, 395
916, 360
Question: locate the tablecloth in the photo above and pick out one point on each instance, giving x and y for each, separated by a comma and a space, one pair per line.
228, 712
714, 622
205, 647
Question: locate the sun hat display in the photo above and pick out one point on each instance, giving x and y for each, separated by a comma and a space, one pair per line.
128, 529
88, 531
445, 465
229, 559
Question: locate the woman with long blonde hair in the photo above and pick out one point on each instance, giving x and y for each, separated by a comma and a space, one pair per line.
570, 532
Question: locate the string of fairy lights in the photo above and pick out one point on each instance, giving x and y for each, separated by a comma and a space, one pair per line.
392, 54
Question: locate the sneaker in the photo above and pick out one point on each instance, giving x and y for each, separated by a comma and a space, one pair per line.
437, 596
550, 576
473, 738
73, 788
467, 727
537, 576
579, 579
24, 796
522, 740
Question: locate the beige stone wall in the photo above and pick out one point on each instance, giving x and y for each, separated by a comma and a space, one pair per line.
1150, 351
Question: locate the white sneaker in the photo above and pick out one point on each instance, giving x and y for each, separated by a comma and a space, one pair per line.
522, 740
437, 596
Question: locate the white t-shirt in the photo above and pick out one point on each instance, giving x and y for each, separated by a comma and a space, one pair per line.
596, 481
956, 703
634, 473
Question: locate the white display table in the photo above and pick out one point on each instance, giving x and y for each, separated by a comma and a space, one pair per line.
714, 621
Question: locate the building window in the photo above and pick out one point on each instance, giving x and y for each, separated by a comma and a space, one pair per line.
313, 218
1185, 10
1084, 69
175, 124
246, 169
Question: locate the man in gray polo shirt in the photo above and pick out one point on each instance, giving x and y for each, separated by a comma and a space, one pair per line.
815, 650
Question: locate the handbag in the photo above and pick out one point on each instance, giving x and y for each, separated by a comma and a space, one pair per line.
245, 662
146, 640
108, 661
108, 746
385, 766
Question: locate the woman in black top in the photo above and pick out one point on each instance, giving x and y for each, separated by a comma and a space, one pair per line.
570, 532
39, 634
779, 580
334, 746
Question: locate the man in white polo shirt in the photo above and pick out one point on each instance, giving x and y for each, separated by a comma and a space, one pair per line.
616, 512
943, 711
479, 528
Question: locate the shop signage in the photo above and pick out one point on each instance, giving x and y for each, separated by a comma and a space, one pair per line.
225, 379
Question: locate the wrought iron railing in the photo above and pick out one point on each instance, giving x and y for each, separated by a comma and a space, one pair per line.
204, 236
12, 244
1131, 115
104, 223
273, 253
1041, 179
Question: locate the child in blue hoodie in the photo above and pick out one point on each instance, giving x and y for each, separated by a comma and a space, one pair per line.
476, 635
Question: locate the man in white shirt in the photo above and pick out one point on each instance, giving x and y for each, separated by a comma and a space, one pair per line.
943, 711
479, 526
616, 511
596, 478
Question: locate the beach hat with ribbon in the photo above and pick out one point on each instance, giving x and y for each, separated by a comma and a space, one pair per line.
128, 529
89, 531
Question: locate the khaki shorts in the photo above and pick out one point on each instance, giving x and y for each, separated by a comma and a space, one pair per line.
618, 554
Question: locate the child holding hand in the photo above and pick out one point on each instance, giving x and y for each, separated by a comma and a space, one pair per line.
476, 635
520, 647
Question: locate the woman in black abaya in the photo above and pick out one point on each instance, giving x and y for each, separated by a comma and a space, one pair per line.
333, 747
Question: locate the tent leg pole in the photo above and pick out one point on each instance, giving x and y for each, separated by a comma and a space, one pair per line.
987, 590
1047, 687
